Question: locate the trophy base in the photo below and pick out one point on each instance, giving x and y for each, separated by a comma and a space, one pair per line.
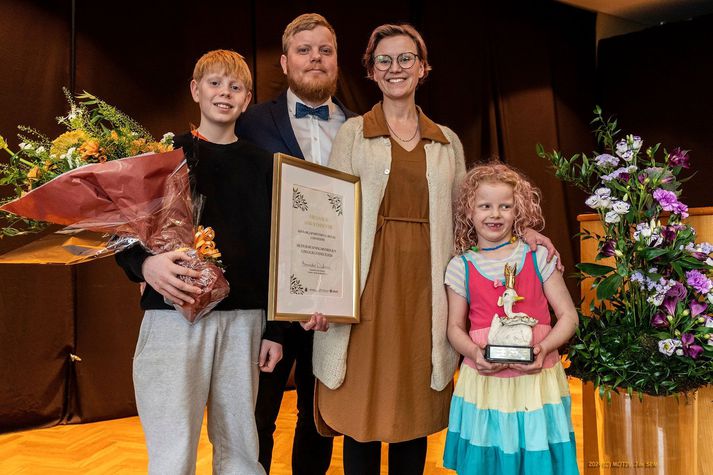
509, 354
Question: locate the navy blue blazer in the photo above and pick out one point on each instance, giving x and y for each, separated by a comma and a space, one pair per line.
267, 125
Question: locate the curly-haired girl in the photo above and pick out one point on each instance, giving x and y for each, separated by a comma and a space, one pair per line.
506, 418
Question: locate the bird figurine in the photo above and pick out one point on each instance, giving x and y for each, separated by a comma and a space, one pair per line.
513, 328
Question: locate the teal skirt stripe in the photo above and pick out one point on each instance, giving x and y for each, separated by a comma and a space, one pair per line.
532, 431
465, 458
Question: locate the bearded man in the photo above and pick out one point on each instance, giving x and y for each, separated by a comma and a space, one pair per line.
302, 122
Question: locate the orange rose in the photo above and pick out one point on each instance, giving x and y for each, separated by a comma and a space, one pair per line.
90, 148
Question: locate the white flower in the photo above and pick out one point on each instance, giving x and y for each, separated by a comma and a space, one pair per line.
25, 146
709, 262
612, 217
167, 138
709, 297
643, 230
620, 207
604, 195
40, 149
709, 322
628, 155
593, 202
667, 346
679, 352
603, 192
635, 142
621, 147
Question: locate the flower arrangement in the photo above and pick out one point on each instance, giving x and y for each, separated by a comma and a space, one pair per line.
650, 329
106, 174
96, 132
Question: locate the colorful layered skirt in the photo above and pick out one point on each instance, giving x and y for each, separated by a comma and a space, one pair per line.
515, 425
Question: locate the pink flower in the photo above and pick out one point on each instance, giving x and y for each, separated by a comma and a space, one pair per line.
659, 320
697, 307
679, 158
689, 348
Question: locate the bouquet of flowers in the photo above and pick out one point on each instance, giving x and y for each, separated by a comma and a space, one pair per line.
91, 178
650, 328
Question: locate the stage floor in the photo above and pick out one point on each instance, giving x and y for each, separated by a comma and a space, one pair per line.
117, 446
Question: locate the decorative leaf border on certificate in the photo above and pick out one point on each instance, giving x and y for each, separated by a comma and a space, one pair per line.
336, 202
298, 200
296, 286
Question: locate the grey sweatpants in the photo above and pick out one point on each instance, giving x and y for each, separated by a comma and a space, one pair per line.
179, 369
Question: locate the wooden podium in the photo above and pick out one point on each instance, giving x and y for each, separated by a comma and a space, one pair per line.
702, 220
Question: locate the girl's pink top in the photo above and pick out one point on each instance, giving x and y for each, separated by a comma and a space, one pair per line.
483, 294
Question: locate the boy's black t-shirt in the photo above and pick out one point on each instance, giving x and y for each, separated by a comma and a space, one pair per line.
236, 180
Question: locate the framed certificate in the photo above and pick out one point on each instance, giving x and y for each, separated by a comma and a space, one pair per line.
314, 243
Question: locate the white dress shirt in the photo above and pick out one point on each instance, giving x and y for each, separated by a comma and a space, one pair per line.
315, 136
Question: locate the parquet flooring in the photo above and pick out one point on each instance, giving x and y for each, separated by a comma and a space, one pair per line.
117, 447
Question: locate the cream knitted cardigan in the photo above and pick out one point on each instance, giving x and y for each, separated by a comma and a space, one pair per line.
370, 159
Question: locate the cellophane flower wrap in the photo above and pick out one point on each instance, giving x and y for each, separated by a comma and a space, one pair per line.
650, 328
84, 179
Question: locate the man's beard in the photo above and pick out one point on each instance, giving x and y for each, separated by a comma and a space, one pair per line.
315, 92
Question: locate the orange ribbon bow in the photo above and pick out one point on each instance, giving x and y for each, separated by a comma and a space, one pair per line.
204, 244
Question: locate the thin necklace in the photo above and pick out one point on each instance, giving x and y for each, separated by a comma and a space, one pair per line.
510, 241
397, 135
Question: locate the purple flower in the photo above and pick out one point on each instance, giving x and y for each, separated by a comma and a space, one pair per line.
659, 320
669, 304
698, 281
679, 158
669, 202
677, 291
607, 249
689, 348
697, 308
699, 255
606, 160
665, 198
669, 233
680, 209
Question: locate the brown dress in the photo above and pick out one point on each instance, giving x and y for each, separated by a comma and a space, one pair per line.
386, 394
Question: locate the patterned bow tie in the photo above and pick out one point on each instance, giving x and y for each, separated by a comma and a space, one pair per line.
321, 112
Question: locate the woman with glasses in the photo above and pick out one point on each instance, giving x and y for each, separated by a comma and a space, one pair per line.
388, 379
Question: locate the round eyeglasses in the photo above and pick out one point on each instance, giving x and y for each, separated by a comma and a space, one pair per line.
382, 62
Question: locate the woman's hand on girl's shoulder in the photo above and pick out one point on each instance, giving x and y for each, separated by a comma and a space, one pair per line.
484, 366
534, 367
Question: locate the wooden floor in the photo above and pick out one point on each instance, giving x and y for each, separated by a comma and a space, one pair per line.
117, 447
